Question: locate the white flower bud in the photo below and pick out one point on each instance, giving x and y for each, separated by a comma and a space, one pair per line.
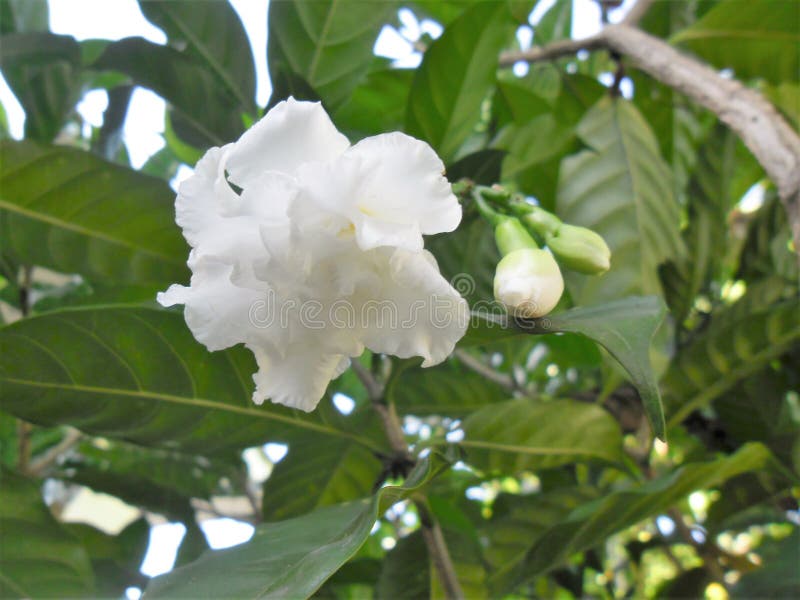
528, 282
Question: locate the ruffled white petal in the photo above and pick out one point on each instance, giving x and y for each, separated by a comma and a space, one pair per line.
217, 311
290, 134
403, 184
204, 198
427, 317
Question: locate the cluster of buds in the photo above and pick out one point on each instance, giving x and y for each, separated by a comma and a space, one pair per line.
528, 280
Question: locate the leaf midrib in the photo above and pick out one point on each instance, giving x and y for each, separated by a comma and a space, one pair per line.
194, 402
217, 68
320, 43
52, 220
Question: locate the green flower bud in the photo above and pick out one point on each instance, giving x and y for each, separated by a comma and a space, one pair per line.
528, 282
580, 249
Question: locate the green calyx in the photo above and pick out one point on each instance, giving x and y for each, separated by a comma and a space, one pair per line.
512, 235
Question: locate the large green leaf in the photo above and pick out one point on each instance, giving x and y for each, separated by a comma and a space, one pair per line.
137, 374
740, 342
555, 24
517, 521
447, 390
625, 328
467, 259
23, 15
456, 74
591, 523
115, 559
539, 129
318, 472
621, 188
290, 559
156, 480
42, 69
327, 43
758, 38
215, 38
376, 106
38, 558
213, 116
524, 434
67, 210
723, 173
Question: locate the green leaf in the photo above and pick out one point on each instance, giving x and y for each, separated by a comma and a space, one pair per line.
23, 15
786, 97
38, 557
456, 74
467, 259
327, 43
446, 389
291, 559
42, 70
524, 434
482, 167
538, 137
215, 38
67, 210
376, 106
517, 521
555, 24
591, 523
778, 577
214, 115
723, 173
115, 559
137, 374
740, 342
318, 472
622, 189
157, 480
625, 328
757, 39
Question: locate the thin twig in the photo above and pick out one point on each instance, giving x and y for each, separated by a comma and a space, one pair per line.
437, 547
431, 532
373, 387
485, 370
23, 446
39, 466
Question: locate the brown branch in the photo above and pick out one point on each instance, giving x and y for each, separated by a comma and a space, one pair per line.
766, 134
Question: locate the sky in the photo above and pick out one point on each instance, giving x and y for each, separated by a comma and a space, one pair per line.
116, 19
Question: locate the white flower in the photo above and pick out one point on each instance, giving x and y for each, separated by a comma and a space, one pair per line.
528, 282
321, 253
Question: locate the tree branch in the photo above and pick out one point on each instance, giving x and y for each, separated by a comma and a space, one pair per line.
766, 134
40, 465
484, 370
